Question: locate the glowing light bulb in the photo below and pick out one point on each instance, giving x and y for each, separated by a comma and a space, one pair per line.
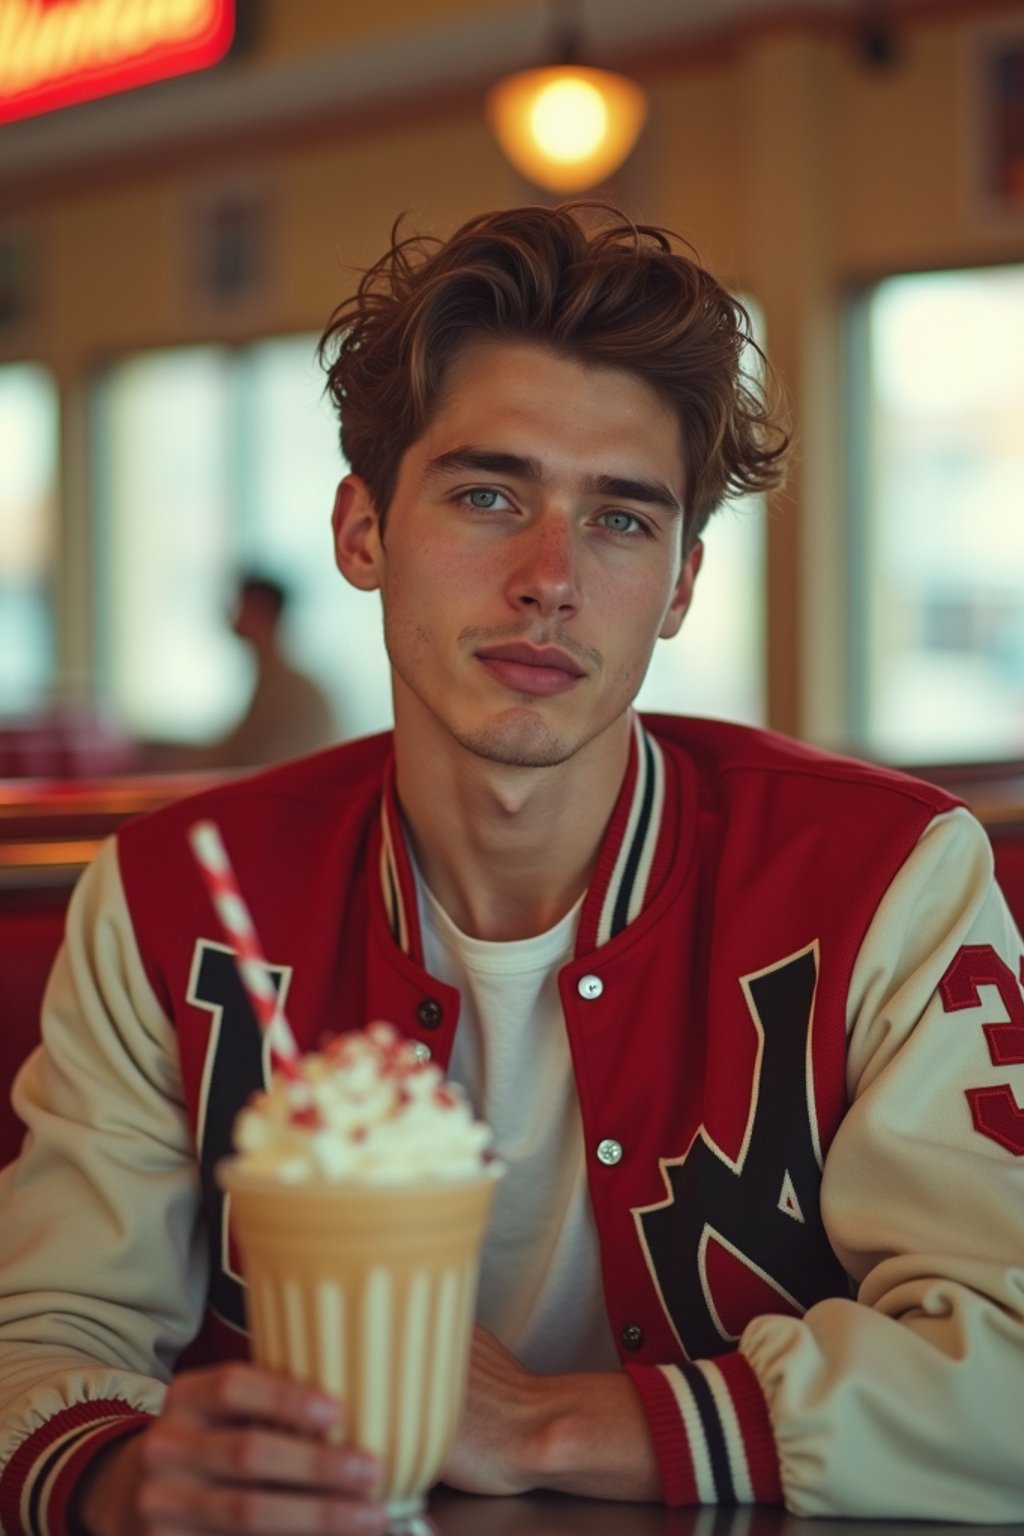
569, 120
566, 127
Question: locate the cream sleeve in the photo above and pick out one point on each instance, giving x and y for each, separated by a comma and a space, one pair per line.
102, 1263
907, 1401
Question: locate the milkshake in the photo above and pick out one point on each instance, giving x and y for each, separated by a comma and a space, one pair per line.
359, 1197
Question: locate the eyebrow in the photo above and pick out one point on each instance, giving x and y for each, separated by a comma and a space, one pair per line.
653, 493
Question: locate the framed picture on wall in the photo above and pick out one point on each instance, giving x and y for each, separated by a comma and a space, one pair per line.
19, 261
227, 229
997, 125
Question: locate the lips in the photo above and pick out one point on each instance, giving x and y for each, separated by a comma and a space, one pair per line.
546, 656
536, 669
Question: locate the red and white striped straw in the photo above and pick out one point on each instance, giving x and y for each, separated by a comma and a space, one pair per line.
236, 921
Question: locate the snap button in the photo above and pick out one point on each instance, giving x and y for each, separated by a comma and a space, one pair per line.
419, 1051
609, 1152
590, 987
429, 1013
632, 1336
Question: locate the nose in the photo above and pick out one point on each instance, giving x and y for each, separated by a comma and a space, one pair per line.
544, 577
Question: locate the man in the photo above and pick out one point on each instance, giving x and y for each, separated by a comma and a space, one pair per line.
288, 714
745, 1017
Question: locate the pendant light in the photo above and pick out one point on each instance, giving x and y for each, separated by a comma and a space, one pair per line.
566, 127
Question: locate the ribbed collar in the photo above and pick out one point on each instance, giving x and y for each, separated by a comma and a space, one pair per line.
631, 867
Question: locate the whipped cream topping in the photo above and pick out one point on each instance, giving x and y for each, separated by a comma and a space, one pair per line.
365, 1109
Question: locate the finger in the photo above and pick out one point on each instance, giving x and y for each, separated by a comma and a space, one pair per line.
200, 1507
227, 1393
254, 1454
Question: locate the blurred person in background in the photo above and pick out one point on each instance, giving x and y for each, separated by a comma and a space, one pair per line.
288, 714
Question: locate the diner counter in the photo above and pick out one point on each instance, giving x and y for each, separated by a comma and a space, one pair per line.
50, 829
550, 1514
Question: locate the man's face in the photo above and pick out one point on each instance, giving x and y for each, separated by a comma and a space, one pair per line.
532, 554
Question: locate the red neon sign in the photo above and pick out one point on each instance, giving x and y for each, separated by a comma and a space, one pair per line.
54, 53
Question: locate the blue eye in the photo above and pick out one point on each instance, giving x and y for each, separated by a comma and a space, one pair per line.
483, 498
623, 522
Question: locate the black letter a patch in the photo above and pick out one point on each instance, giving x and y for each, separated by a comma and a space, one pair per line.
733, 1240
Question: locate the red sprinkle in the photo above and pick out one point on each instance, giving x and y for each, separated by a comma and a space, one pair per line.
308, 1117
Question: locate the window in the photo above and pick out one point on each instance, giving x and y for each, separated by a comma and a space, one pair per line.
939, 604
28, 453
715, 665
211, 461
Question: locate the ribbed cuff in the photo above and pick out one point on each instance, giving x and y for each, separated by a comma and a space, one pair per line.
671, 1445
760, 1451
40, 1478
711, 1433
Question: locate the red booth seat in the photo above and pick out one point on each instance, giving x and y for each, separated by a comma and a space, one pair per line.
48, 832
64, 743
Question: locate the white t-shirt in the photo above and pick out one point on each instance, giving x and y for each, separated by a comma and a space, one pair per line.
540, 1281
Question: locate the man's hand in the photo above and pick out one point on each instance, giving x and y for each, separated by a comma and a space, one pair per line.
499, 1421
584, 1433
237, 1449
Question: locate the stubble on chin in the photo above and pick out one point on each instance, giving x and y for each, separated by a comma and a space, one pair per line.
516, 745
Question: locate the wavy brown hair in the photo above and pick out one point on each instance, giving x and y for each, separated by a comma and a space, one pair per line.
584, 280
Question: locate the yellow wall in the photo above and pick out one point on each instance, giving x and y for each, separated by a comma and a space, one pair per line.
795, 168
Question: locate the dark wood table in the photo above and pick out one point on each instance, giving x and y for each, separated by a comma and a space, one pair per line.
540, 1514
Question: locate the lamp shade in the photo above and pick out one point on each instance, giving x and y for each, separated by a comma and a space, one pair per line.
566, 127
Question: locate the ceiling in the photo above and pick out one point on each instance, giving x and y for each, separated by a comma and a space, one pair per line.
434, 57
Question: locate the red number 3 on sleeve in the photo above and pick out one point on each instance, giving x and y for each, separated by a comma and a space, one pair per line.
995, 1110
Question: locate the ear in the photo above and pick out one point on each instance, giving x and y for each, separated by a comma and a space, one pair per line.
683, 593
358, 549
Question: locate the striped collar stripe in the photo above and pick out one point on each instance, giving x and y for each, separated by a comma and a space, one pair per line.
627, 889
631, 846
391, 885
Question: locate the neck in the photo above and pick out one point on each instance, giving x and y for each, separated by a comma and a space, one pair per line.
508, 850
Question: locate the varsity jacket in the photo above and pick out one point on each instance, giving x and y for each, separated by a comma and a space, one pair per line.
796, 1021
